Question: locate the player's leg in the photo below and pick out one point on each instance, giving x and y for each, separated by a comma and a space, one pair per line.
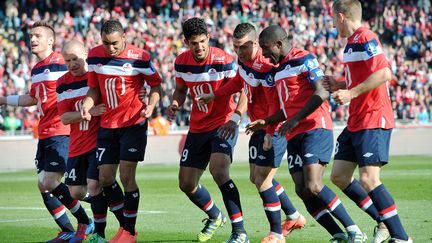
76, 180
99, 204
194, 159
294, 220
107, 154
372, 147
316, 208
133, 141
318, 147
53, 205
220, 161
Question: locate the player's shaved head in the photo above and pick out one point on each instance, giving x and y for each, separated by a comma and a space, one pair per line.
275, 43
74, 46
273, 33
350, 8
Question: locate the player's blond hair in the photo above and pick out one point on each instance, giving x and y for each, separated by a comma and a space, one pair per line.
350, 8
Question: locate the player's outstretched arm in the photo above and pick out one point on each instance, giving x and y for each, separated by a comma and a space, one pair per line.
93, 94
372, 82
154, 97
18, 100
259, 124
179, 97
312, 104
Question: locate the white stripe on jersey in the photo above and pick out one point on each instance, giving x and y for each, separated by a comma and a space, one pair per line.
206, 77
290, 72
254, 82
360, 56
51, 76
281, 102
72, 94
119, 70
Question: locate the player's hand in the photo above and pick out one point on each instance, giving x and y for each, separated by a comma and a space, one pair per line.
142, 94
203, 99
171, 111
255, 126
288, 126
268, 142
147, 111
98, 110
342, 96
227, 130
329, 83
85, 114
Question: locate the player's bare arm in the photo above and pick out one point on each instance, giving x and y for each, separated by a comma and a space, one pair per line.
227, 130
259, 124
76, 117
154, 97
89, 101
203, 99
179, 97
313, 103
331, 84
373, 81
18, 100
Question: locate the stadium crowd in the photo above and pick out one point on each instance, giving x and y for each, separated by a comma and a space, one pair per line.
405, 29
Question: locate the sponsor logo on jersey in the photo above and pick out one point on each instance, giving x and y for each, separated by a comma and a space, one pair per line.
257, 66
54, 59
215, 58
134, 55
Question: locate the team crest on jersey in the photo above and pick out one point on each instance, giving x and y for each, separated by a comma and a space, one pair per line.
371, 48
251, 76
212, 71
134, 55
99, 65
218, 59
269, 80
287, 67
127, 67
350, 50
46, 71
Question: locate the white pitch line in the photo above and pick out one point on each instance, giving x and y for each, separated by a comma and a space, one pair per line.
44, 209
22, 220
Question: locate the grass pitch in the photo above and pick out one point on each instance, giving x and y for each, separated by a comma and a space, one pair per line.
166, 214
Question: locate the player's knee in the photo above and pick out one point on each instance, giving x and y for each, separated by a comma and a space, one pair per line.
220, 176
50, 183
340, 180
252, 179
93, 187
106, 180
369, 182
187, 187
313, 188
77, 192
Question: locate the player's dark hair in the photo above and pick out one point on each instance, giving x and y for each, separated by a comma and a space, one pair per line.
194, 26
111, 26
242, 30
46, 25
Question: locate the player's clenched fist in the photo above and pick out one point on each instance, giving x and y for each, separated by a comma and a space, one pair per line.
171, 112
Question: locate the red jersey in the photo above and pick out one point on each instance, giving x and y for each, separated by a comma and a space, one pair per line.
44, 78
119, 81
71, 91
363, 55
204, 78
257, 79
294, 80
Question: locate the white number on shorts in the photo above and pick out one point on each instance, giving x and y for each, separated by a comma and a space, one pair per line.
253, 152
297, 161
184, 155
99, 155
337, 148
72, 175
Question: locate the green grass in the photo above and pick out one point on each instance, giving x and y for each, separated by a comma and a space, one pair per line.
23, 219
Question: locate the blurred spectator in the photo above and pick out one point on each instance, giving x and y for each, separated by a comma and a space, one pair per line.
11, 123
159, 123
